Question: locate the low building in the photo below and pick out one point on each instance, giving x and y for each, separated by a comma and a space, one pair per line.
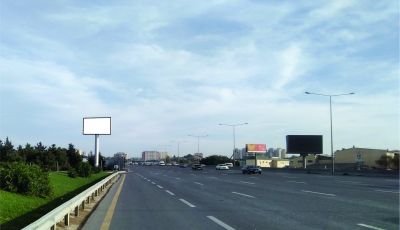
263, 163
280, 163
363, 157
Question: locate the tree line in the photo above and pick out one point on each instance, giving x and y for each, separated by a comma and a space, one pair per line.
50, 158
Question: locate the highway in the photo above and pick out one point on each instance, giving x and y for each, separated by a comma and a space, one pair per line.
167, 197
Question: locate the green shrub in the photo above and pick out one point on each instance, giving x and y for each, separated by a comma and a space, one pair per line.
72, 173
84, 169
25, 179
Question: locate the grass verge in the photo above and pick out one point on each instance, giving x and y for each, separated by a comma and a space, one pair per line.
17, 211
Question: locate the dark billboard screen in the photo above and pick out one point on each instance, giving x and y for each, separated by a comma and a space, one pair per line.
304, 144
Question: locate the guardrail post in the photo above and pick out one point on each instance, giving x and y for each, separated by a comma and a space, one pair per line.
53, 227
66, 219
88, 200
83, 205
76, 211
96, 192
93, 196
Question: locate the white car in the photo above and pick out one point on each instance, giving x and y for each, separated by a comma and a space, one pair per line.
221, 167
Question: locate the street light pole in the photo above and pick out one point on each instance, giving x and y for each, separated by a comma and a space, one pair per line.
234, 133
330, 113
198, 140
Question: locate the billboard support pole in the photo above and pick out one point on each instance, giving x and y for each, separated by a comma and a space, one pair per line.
304, 161
96, 149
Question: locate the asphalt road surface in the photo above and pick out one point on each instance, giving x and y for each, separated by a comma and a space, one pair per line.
167, 197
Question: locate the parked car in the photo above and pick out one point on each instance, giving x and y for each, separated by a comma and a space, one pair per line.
230, 165
251, 169
161, 163
221, 167
197, 167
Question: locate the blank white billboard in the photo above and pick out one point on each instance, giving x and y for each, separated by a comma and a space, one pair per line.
97, 125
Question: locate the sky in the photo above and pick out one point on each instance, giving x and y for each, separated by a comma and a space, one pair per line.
166, 69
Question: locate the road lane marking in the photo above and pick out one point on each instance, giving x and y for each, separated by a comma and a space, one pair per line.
369, 226
110, 212
290, 177
170, 193
213, 177
159, 186
379, 190
220, 223
298, 182
153, 182
177, 178
320, 193
246, 182
187, 203
242, 194
198, 183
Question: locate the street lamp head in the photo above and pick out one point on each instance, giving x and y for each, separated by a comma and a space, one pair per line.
307, 92
246, 123
351, 93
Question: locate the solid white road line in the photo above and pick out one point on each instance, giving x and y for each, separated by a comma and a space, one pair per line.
298, 182
246, 182
220, 223
187, 203
320, 193
153, 183
159, 186
378, 190
198, 183
369, 226
242, 194
170, 193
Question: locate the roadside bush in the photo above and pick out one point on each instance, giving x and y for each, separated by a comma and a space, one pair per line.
72, 173
84, 169
25, 179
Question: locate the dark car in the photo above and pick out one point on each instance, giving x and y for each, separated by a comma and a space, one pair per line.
250, 169
197, 167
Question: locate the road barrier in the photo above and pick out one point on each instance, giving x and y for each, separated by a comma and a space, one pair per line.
74, 205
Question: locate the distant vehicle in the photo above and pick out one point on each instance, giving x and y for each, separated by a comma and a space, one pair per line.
230, 165
135, 163
183, 165
147, 163
197, 167
251, 169
175, 164
221, 167
169, 164
161, 163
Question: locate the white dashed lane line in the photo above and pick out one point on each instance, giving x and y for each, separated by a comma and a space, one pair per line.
198, 183
170, 193
159, 186
242, 194
319, 193
246, 182
187, 203
220, 223
153, 183
369, 226
297, 182
388, 191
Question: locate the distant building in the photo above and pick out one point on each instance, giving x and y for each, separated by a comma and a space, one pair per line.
163, 155
198, 156
276, 153
151, 156
362, 157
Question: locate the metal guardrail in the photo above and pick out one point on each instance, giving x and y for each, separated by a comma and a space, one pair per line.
74, 205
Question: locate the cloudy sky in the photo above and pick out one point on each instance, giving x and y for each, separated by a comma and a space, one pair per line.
166, 69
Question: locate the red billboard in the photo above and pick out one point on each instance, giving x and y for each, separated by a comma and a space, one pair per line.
256, 148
